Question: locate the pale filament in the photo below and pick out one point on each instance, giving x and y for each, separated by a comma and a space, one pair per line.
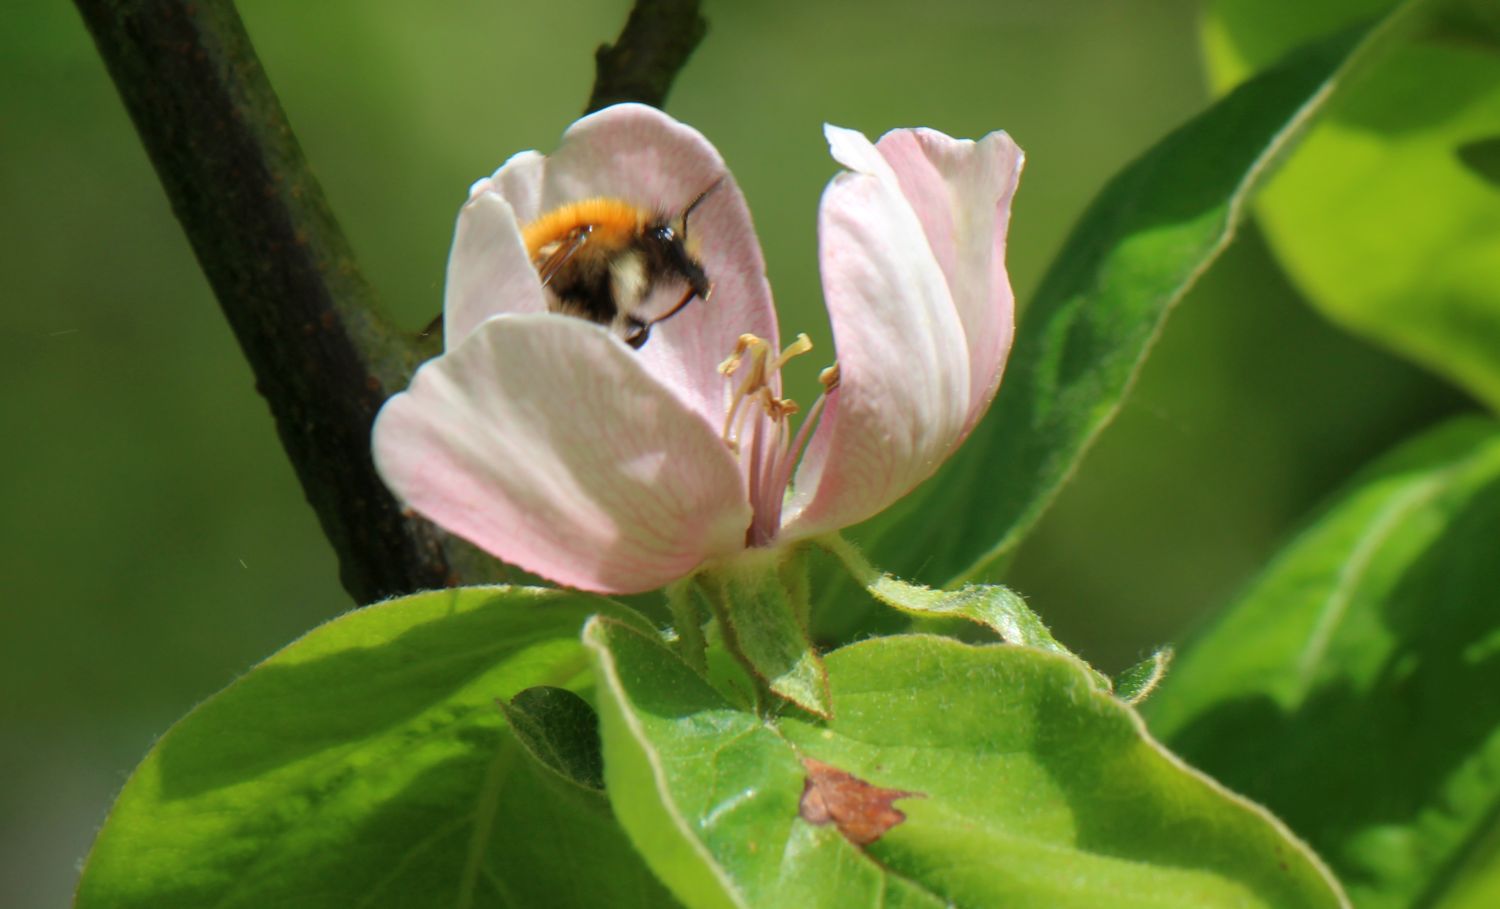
766, 447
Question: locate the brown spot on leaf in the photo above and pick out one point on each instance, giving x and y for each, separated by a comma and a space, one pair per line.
862, 811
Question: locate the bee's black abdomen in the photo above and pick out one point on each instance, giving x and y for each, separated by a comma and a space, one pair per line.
585, 290
610, 279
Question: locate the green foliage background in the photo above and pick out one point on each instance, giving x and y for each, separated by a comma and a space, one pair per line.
155, 542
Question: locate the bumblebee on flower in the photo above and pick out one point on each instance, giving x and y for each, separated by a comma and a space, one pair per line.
616, 427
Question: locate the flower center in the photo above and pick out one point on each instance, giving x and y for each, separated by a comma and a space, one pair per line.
757, 426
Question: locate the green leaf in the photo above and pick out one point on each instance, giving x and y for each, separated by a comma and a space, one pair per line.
1142, 243
999, 609
1388, 216
1476, 884
1141, 680
561, 731
367, 764
1355, 687
978, 776
1482, 157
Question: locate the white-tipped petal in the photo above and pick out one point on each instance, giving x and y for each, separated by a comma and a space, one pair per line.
519, 180
488, 270
911, 241
961, 191
542, 440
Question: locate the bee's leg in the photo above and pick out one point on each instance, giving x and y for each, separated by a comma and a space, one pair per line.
682, 304
636, 332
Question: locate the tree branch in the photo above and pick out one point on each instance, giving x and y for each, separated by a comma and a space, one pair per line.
657, 40
282, 270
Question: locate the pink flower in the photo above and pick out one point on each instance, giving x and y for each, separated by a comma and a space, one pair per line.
546, 440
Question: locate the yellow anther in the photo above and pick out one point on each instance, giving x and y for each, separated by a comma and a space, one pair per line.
795, 349
755, 384
829, 378
781, 408
744, 345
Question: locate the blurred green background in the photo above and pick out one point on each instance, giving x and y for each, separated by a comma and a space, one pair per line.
155, 540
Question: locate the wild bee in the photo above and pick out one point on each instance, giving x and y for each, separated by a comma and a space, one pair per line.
602, 259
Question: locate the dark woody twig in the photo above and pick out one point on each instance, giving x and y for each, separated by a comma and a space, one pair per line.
282, 270
657, 40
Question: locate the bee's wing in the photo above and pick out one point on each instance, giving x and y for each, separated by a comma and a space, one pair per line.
548, 267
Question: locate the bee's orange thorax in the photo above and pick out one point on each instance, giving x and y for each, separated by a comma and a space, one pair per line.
614, 222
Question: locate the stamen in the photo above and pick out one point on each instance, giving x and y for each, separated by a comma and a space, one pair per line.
829, 378
797, 348
746, 413
732, 362
752, 534
754, 377
752, 372
784, 467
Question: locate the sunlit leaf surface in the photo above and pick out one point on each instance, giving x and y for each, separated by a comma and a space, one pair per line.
1388, 216
1355, 687
368, 764
1148, 235
951, 774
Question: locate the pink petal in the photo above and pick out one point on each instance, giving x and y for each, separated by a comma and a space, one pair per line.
519, 180
961, 191
911, 241
542, 440
488, 270
639, 154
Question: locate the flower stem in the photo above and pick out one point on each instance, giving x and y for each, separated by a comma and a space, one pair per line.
688, 616
760, 620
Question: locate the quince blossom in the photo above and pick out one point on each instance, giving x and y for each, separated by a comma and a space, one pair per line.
547, 441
